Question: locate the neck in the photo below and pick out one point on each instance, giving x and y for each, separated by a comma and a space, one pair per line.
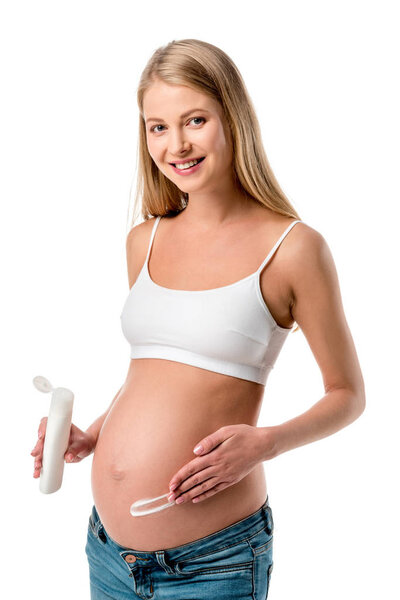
217, 206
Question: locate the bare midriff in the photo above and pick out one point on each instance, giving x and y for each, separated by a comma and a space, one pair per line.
162, 411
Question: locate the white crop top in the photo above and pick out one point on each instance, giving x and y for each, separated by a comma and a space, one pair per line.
228, 329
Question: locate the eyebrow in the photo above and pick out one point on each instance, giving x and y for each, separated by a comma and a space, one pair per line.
189, 112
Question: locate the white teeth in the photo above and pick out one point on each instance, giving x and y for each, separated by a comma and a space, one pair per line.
187, 165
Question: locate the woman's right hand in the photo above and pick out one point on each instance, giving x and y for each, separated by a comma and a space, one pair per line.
80, 445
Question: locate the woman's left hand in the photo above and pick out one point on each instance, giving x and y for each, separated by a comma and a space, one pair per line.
228, 455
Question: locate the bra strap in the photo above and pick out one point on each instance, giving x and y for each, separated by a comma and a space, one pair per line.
277, 244
155, 225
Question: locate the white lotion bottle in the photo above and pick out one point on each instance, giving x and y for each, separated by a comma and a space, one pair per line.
57, 435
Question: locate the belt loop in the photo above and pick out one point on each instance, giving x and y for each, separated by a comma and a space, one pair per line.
99, 528
270, 520
101, 533
164, 563
267, 514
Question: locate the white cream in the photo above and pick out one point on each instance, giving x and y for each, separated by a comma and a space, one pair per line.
136, 505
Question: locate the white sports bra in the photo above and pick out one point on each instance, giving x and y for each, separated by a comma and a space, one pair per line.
228, 329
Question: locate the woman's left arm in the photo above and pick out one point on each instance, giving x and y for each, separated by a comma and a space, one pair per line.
317, 309
230, 453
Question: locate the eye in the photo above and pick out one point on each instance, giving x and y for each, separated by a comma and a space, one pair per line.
154, 127
155, 130
198, 118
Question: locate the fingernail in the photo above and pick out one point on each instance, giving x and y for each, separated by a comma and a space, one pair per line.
173, 486
198, 448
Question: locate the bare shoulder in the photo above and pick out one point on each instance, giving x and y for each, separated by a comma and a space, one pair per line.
139, 232
316, 304
310, 260
137, 242
302, 247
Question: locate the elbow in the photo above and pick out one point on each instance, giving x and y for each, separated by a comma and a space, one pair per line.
354, 404
363, 404
353, 401
359, 401
361, 396
352, 396
356, 397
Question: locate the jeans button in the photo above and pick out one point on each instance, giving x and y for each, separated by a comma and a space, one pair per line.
130, 558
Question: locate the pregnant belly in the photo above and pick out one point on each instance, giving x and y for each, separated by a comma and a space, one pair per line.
147, 437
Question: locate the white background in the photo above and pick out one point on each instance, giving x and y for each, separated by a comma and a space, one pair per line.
323, 77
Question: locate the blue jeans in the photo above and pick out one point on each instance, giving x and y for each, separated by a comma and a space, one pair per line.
234, 562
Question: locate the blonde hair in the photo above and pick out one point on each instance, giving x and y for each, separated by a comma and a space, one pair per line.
205, 68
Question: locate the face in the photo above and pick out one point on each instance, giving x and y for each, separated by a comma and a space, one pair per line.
184, 124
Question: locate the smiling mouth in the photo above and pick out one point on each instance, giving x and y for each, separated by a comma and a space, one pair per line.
196, 160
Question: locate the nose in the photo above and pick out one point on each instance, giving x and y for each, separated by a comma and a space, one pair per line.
178, 142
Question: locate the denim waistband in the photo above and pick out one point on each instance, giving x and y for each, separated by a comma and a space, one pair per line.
232, 534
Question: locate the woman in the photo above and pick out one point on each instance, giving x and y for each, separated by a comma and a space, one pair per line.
217, 279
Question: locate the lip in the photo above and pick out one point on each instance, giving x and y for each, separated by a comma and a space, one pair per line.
190, 170
182, 162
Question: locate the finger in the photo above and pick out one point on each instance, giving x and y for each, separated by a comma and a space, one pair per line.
38, 449
71, 456
200, 489
193, 491
37, 468
76, 459
195, 480
212, 441
187, 471
40, 441
212, 492
37, 453
37, 446
42, 427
